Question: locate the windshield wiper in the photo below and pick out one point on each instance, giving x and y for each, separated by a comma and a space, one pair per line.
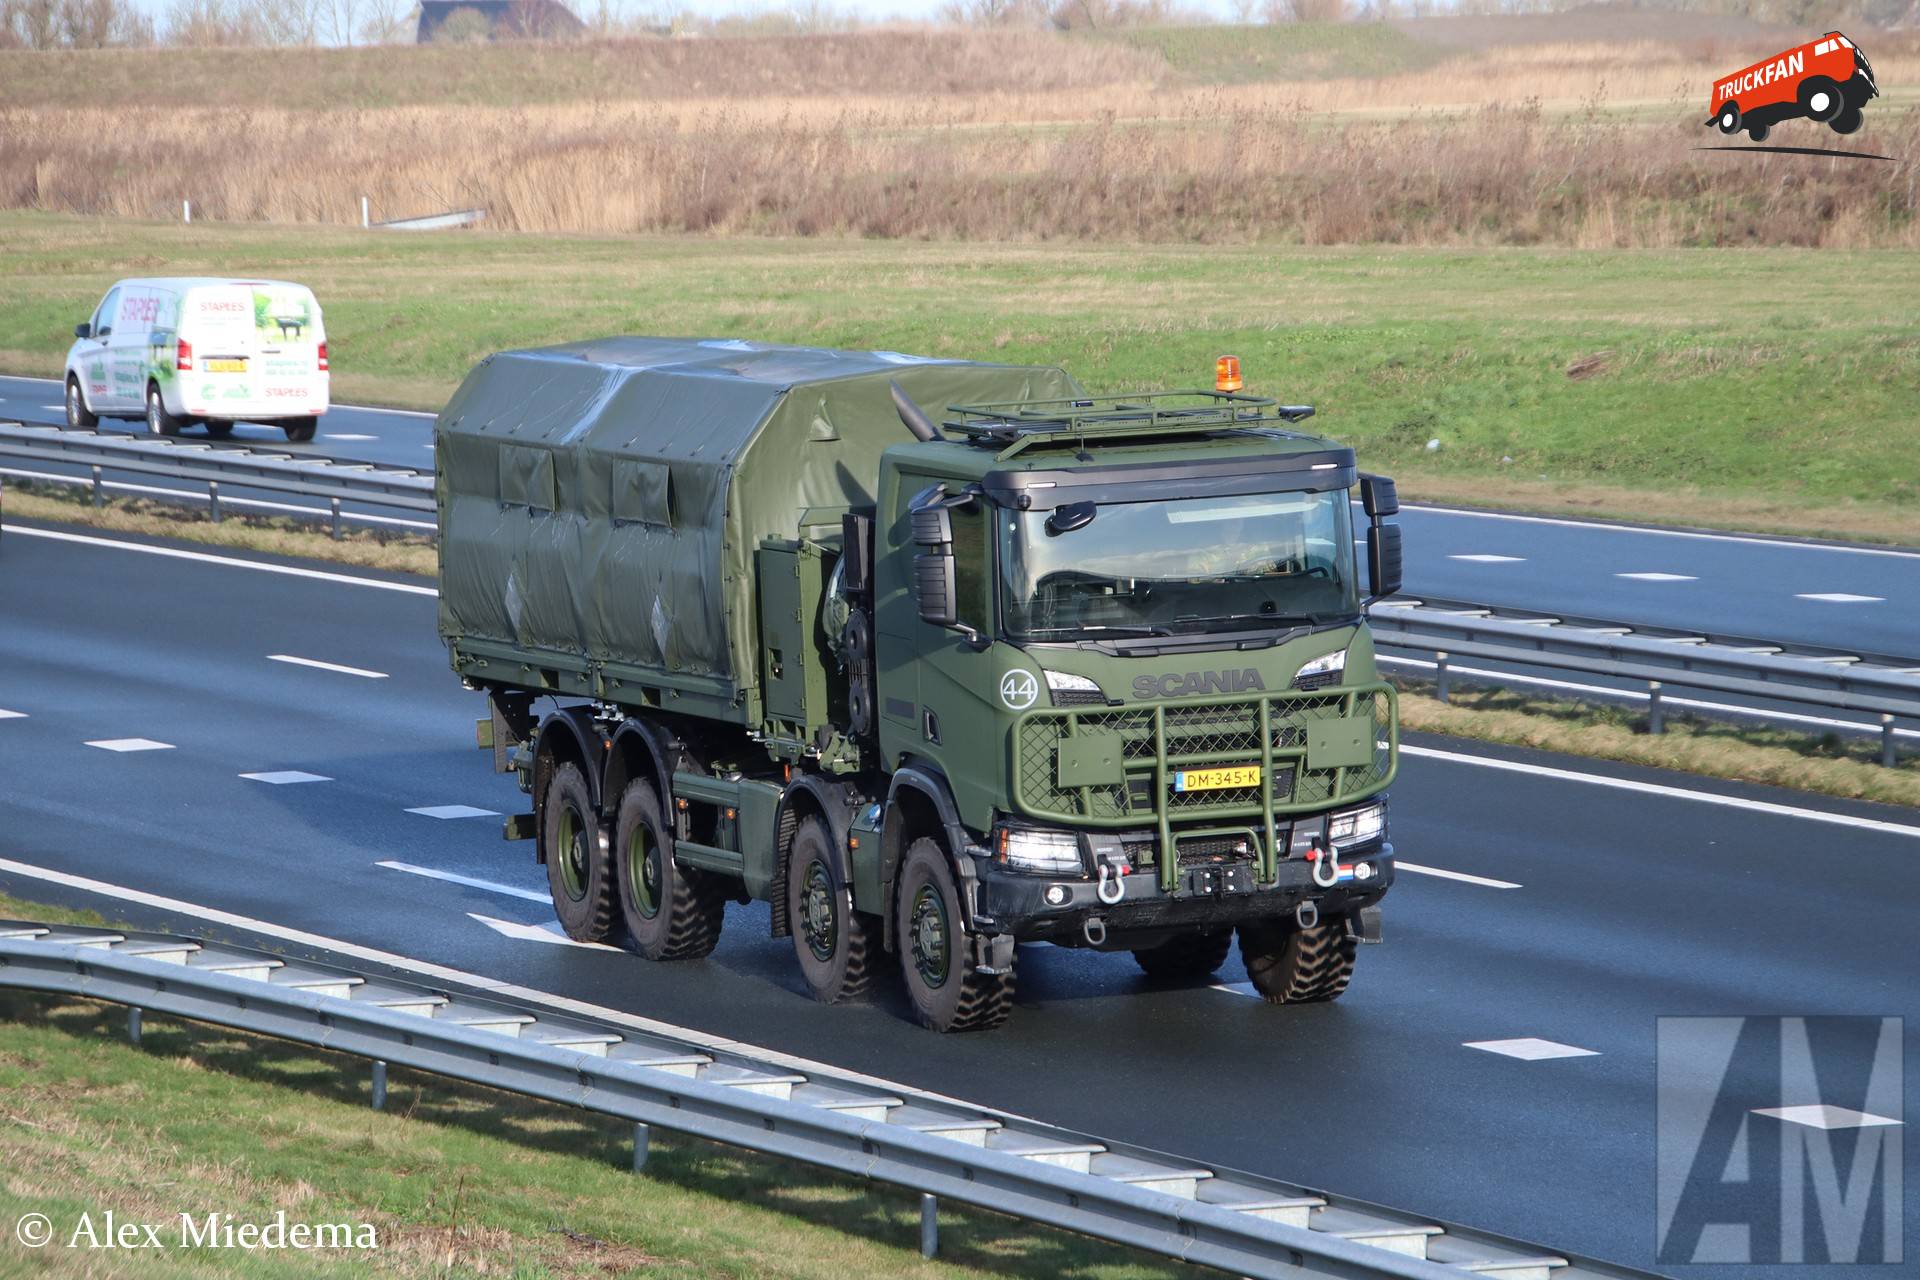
1143, 629
1268, 619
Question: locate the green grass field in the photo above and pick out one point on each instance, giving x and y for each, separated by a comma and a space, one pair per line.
1764, 388
1222, 54
456, 1181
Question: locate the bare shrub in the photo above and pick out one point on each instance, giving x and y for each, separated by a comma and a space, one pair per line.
1306, 10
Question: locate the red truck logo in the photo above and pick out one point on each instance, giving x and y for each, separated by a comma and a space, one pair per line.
1828, 80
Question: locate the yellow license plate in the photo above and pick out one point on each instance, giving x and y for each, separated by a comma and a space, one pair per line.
1239, 775
226, 366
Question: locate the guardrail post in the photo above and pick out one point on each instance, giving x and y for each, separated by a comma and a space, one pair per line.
336, 519
379, 1085
1440, 675
133, 1025
213, 501
1656, 719
99, 489
1886, 739
640, 1136
929, 1225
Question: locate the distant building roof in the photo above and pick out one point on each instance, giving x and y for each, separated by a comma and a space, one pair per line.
505, 19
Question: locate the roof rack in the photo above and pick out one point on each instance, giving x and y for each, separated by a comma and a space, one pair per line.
1018, 424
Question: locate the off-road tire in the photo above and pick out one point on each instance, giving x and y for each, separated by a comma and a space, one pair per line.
1186, 955
688, 906
1847, 120
299, 432
159, 421
579, 872
1291, 965
846, 971
79, 417
961, 1000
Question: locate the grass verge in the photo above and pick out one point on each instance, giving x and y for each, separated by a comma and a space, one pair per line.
456, 1181
1831, 764
1683, 386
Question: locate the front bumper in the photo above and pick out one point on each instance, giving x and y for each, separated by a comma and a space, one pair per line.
1216, 895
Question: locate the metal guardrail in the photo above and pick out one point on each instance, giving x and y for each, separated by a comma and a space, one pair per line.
1799, 674
1180, 1209
334, 482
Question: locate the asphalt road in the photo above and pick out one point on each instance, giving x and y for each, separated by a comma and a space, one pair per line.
1604, 898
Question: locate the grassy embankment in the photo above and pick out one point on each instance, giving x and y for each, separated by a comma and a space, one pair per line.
457, 1181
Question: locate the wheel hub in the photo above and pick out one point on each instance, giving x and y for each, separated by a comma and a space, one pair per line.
818, 909
643, 872
930, 936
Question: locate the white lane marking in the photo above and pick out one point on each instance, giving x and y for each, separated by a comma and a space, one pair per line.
1727, 708
1237, 989
327, 666
351, 408
1532, 1049
1657, 789
1482, 558
1822, 1116
175, 553
551, 934
131, 744
1702, 535
1419, 870
54, 408
284, 777
453, 811
1839, 597
480, 982
471, 882
12, 715
345, 435
1658, 577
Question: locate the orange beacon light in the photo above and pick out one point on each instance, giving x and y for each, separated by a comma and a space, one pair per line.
1226, 374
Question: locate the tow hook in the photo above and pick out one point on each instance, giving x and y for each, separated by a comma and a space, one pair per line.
1326, 865
1112, 886
1307, 914
1094, 930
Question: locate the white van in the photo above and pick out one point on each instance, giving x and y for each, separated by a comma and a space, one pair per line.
201, 351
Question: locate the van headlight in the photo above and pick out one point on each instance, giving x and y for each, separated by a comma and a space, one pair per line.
1037, 851
1358, 826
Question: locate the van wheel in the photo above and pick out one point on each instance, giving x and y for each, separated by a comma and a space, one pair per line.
671, 912
1847, 120
832, 941
1187, 955
219, 430
159, 421
1291, 965
300, 432
1820, 98
575, 849
1759, 132
79, 417
1729, 120
947, 994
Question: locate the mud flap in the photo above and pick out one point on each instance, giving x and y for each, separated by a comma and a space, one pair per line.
1364, 925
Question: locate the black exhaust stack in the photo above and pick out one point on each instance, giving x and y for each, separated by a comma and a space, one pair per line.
912, 415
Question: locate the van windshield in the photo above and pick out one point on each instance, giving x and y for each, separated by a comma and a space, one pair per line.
1177, 567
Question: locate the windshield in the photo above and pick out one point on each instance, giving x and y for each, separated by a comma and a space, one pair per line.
1177, 567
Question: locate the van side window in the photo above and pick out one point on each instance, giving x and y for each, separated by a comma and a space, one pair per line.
103, 318
972, 575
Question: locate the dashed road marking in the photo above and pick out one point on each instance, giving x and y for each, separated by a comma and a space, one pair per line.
1839, 597
284, 777
12, 715
1482, 558
1532, 1049
453, 811
1658, 577
318, 665
1822, 1116
1485, 881
345, 435
491, 886
131, 744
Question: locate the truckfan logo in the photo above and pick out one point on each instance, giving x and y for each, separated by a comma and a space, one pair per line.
1019, 690
1828, 81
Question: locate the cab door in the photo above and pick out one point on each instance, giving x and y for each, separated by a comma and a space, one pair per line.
96, 363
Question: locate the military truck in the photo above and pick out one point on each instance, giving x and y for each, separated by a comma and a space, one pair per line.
1037, 666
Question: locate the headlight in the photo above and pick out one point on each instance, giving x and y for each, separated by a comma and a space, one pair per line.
1358, 826
1067, 690
1328, 664
1040, 852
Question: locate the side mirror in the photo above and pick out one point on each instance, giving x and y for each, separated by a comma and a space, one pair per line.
1383, 558
83, 330
1379, 496
1075, 515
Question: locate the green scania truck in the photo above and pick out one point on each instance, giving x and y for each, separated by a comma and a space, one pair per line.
935, 657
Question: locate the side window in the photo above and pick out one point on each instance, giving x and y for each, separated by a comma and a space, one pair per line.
103, 318
972, 573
